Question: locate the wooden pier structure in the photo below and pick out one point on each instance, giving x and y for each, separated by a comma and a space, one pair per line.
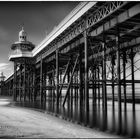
91, 56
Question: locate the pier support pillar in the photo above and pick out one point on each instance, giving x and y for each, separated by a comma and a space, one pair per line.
86, 78
124, 78
113, 92
81, 85
104, 77
24, 83
15, 82
57, 81
41, 79
104, 89
119, 85
20, 83
133, 83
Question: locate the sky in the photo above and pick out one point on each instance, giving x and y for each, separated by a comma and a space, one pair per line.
39, 19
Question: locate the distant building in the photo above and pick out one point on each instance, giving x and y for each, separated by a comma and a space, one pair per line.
2, 84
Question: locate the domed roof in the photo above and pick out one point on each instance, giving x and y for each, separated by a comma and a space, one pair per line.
22, 32
22, 35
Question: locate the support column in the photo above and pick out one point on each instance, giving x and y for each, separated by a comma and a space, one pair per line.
28, 83
15, 82
86, 78
20, 75
95, 85
124, 79
41, 79
54, 94
113, 63
104, 89
57, 81
49, 92
45, 77
71, 95
24, 83
34, 74
133, 82
68, 103
104, 77
98, 85
119, 85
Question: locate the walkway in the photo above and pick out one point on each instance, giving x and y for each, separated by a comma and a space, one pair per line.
18, 122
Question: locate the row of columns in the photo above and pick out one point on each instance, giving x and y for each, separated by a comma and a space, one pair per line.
79, 91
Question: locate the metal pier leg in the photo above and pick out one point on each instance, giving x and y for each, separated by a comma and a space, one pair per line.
98, 85
86, 79
44, 85
77, 96
95, 84
113, 63
69, 110
53, 75
28, 83
41, 79
104, 89
71, 95
80, 86
24, 83
124, 82
75, 92
104, 77
33, 85
133, 82
20, 84
50, 94
93, 124
119, 86
57, 81
15, 82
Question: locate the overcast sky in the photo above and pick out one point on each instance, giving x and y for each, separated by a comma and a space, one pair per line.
39, 19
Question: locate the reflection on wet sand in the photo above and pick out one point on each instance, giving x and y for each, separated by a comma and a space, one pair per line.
105, 119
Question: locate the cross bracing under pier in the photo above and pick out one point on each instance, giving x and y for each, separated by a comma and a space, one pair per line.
92, 56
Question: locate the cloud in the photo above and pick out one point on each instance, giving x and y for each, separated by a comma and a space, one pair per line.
7, 69
3, 66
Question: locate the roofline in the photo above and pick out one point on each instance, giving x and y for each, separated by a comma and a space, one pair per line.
77, 12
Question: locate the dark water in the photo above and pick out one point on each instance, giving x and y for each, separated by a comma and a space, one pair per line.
127, 123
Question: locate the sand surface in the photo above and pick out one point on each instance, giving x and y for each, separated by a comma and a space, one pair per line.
19, 122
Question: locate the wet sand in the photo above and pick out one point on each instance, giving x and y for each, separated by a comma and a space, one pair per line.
20, 122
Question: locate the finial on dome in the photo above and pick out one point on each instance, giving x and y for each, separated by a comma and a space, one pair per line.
22, 35
22, 25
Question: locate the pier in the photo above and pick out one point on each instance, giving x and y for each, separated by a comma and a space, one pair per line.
84, 70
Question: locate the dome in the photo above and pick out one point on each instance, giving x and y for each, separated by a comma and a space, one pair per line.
22, 35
